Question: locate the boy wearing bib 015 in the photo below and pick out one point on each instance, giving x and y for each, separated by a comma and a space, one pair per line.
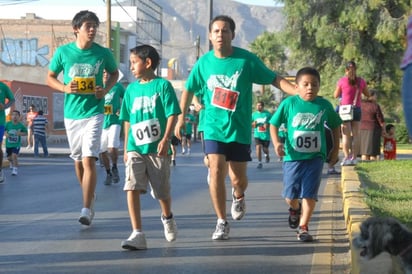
82, 63
149, 110
304, 149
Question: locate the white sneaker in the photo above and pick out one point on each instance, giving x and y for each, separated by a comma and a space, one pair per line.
87, 215
170, 229
135, 242
14, 172
1, 176
222, 231
238, 207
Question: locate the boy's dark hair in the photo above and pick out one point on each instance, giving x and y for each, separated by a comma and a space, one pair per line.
307, 71
16, 111
147, 51
83, 16
226, 19
389, 127
40, 112
262, 103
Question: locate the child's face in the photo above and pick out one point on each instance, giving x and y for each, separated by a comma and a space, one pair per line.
308, 87
392, 131
137, 65
15, 117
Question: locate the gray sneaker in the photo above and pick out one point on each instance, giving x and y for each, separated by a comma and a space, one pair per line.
108, 180
221, 232
170, 229
1, 176
238, 207
135, 242
115, 173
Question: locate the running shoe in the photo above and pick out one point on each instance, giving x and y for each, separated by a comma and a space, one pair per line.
108, 180
135, 242
222, 231
86, 214
346, 162
14, 172
333, 171
1, 176
170, 229
303, 234
294, 217
259, 166
267, 158
115, 175
238, 206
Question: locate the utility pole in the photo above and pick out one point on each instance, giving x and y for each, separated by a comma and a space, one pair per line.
109, 23
197, 47
208, 45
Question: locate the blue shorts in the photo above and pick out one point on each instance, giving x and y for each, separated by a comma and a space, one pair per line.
12, 150
301, 179
2, 127
233, 151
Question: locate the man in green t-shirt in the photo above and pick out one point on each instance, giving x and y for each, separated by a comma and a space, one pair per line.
82, 63
227, 74
260, 124
6, 100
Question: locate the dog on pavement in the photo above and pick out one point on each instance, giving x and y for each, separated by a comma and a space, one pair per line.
385, 234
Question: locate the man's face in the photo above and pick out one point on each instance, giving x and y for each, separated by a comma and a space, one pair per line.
259, 107
221, 36
87, 31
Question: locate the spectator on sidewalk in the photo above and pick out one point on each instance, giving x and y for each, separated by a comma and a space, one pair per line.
31, 114
13, 132
40, 128
389, 143
372, 128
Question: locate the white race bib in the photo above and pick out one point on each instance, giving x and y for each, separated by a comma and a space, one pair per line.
146, 132
307, 141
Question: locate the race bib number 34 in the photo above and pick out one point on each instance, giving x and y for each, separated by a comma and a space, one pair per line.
307, 141
225, 98
85, 85
146, 132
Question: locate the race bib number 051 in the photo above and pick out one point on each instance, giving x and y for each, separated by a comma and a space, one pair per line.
85, 85
225, 98
146, 132
307, 141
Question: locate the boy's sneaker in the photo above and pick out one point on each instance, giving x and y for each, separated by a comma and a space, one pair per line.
222, 231
303, 234
115, 175
333, 171
14, 172
170, 228
238, 206
294, 217
1, 176
108, 179
267, 158
135, 242
259, 166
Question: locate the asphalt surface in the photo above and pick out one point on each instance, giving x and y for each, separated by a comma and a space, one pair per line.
39, 232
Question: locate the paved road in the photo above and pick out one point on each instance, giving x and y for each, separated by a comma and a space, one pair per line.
39, 232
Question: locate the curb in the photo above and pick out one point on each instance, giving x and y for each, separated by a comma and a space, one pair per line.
355, 210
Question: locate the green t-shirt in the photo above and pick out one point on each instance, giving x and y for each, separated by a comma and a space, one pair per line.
228, 94
146, 107
261, 118
14, 140
304, 121
112, 104
189, 120
5, 92
85, 66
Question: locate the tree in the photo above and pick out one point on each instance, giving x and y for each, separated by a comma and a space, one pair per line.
328, 33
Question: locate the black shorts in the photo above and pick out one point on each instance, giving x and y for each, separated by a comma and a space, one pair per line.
264, 143
175, 141
233, 151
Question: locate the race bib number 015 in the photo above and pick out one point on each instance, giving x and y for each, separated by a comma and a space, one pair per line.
146, 132
85, 85
225, 98
307, 141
